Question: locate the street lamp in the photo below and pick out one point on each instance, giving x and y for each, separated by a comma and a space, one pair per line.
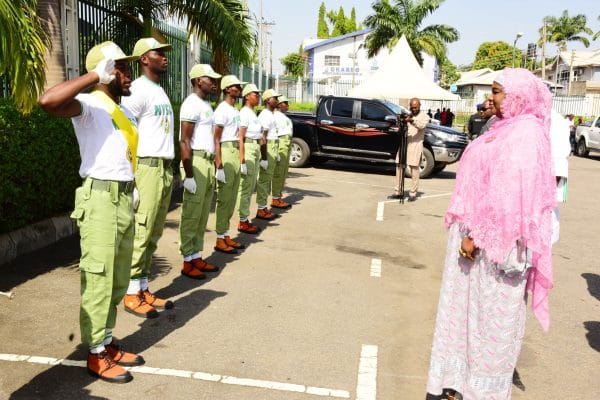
519, 34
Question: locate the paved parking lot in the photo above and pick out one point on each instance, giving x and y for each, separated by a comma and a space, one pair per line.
335, 299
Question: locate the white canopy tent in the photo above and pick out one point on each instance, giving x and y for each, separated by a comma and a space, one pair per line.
401, 77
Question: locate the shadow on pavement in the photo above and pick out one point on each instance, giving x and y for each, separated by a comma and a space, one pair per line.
593, 327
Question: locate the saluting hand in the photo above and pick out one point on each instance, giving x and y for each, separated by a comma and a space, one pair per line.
105, 69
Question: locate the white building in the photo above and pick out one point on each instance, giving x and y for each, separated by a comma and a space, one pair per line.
343, 59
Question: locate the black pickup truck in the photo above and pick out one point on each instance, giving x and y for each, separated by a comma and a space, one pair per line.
366, 130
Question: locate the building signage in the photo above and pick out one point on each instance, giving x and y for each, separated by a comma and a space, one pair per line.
341, 71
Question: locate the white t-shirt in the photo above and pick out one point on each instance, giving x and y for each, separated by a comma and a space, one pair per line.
151, 106
249, 120
267, 120
102, 146
228, 117
283, 123
200, 113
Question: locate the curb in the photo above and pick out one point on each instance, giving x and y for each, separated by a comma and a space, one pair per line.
42, 234
35, 236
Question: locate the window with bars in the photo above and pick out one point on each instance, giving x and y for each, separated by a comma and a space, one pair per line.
333, 61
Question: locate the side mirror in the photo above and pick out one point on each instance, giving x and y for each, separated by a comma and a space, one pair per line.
391, 118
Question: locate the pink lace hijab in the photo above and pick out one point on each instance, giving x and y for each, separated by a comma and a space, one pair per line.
505, 186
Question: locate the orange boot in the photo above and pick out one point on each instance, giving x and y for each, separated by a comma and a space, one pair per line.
137, 305
115, 351
223, 247
104, 367
265, 213
203, 266
156, 302
247, 227
233, 243
279, 203
191, 272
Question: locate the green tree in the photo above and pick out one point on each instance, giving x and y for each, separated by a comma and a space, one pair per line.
597, 34
566, 29
389, 22
23, 44
351, 22
496, 55
338, 20
294, 64
448, 73
322, 28
222, 24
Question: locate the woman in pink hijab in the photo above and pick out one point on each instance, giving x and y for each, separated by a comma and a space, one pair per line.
499, 222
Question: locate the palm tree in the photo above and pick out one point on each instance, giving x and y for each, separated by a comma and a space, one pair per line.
567, 29
23, 44
404, 17
597, 34
221, 24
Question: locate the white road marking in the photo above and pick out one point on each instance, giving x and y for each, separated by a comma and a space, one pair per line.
203, 376
380, 207
366, 386
376, 268
434, 195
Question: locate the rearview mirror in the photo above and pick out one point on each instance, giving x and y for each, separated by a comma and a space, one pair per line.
391, 118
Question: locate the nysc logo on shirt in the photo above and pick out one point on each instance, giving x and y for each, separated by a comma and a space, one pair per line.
163, 109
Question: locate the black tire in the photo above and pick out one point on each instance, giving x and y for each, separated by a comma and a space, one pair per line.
439, 167
581, 150
427, 164
299, 153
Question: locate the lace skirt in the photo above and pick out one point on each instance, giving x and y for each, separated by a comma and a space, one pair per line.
479, 327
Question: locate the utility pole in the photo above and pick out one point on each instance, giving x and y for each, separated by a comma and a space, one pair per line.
571, 72
544, 50
263, 27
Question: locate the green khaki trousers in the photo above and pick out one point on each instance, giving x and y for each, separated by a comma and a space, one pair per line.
106, 226
154, 183
248, 181
265, 176
281, 167
196, 206
227, 192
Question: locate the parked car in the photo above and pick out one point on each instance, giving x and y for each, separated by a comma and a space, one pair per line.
587, 138
348, 128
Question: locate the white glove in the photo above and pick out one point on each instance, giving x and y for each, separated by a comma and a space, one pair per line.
190, 185
244, 169
264, 164
220, 175
136, 198
104, 70
278, 158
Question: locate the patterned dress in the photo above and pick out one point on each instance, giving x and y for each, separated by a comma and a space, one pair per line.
479, 328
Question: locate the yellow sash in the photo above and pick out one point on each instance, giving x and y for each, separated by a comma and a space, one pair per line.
123, 123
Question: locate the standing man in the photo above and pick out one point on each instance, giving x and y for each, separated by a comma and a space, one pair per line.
284, 133
269, 154
251, 133
416, 121
154, 177
107, 139
197, 145
489, 112
227, 161
476, 121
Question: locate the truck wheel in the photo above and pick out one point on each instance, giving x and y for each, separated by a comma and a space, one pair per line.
427, 164
299, 154
439, 167
582, 150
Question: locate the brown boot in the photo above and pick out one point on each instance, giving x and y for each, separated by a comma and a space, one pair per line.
233, 243
191, 272
157, 302
136, 305
265, 213
279, 203
223, 247
104, 367
115, 351
203, 266
247, 227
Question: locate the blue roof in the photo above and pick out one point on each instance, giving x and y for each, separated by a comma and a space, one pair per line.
335, 39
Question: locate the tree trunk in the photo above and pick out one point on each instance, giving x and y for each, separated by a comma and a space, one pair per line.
49, 13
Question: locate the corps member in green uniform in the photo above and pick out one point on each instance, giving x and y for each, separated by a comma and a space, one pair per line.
251, 133
107, 139
227, 161
284, 133
197, 157
150, 105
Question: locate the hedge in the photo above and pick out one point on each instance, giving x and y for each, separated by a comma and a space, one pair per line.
39, 163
